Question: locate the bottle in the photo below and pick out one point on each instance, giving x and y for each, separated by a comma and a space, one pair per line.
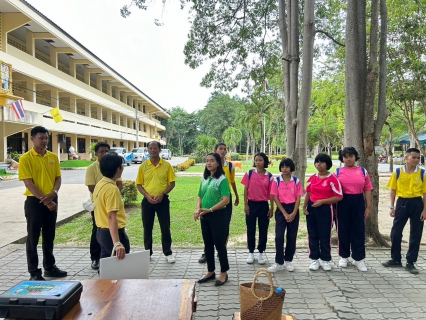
279, 290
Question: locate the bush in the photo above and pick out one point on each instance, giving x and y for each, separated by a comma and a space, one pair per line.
198, 158
15, 156
185, 165
234, 156
129, 192
277, 157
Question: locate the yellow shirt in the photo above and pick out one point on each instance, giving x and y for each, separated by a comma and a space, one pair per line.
107, 198
408, 185
94, 175
155, 179
42, 169
229, 175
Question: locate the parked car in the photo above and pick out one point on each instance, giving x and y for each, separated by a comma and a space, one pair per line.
139, 154
166, 154
127, 156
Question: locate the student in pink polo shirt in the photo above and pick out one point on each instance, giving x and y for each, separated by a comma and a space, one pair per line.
353, 209
257, 187
286, 192
322, 191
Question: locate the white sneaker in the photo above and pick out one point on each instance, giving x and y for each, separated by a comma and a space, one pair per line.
250, 258
171, 259
343, 263
360, 265
314, 265
260, 259
276, 267
325, 265
289, 266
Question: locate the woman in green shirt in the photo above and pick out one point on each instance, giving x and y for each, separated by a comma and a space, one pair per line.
213, 196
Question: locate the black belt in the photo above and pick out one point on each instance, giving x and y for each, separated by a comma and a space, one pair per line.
107, 229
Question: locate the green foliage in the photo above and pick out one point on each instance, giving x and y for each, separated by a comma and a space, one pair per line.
182, 131
75, 163
232, 136
234, 156
15, 156
205, 145
198, 158
129, 192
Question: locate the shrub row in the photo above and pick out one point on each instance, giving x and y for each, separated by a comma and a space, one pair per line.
129, 192
185, 165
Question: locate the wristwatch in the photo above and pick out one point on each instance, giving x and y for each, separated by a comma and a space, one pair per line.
211, 209
392, 207
55, 191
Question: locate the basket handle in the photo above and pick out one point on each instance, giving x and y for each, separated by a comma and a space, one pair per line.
262, 271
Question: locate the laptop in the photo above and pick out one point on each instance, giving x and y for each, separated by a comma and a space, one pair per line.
134, 266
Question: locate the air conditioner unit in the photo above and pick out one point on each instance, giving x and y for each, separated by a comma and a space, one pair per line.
62, 138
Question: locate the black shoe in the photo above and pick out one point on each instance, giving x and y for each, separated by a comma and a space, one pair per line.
411, 268
202, 259
219, 283
55, 272
95, 264
392, 264
202, 280
37, 277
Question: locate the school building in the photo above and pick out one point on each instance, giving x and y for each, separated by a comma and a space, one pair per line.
47, 68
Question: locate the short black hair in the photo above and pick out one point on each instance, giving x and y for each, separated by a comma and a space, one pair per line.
109, 164
348, 151
101, 144
220, 144
325, 158
38, 129
219, 170
158, 144
409, 150
288, 163
265, 159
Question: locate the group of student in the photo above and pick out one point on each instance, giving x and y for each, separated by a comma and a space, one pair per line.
344, 195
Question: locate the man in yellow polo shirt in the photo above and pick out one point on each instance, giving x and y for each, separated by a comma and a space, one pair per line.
409, 185
40, 171
93, 176
154, 181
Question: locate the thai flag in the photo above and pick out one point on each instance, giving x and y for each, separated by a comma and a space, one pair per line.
265, 85
18, 107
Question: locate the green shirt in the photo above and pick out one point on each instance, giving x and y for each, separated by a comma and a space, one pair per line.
212, 191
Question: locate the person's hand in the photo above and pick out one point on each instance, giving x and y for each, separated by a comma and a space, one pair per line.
197, 214
237, 200
317, 203
305, 211
270, 213
151, 199
247, 209
46, 199
367, 213
392, 213
52, 206
203, 212
290, 217
159, 198
423, 216
120, 252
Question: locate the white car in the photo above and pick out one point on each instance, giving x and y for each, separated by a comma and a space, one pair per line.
139, 154
127, 157
166, 154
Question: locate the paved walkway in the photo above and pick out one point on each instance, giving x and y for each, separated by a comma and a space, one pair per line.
379, 293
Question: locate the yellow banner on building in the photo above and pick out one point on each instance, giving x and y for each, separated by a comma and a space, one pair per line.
56, 115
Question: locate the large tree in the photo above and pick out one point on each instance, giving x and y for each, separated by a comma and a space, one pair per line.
182, 130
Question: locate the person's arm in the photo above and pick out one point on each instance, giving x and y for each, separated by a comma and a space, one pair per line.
280, 206
271, 209
113, 230
331, 200
169, 188
305, 203
91, 188
423, 215
392, 202
246, 206
197, 209
296, 208
119, 184
29, 184
142, 190
234, 188
367, 195
217, 206
48, 198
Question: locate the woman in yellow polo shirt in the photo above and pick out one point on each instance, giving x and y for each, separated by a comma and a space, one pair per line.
109, 208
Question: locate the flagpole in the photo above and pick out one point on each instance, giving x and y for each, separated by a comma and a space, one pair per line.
264, 133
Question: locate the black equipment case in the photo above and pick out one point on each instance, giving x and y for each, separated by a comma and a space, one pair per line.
40, 299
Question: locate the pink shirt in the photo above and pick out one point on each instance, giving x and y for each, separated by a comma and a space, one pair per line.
354, 180
325, 188
287, 192
258, 186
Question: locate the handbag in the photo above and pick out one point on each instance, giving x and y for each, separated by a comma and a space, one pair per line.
89, 205
259, 300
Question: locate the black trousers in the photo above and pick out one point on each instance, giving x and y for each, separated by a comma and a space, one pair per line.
258, 212
281, 225
319, 222
407, 208
163, 213
105, 241
215, 229
39, 220
95, 247
351, 226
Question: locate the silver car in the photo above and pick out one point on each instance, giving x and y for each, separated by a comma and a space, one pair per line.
166, 154
139, 154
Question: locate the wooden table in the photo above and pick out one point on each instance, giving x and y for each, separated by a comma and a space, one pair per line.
135, 299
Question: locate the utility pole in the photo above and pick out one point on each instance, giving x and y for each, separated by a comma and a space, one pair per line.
137, 128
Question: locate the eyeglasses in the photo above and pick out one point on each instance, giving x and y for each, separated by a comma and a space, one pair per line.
103, 152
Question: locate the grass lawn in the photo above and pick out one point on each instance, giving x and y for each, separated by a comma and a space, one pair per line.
75, 163
185, 231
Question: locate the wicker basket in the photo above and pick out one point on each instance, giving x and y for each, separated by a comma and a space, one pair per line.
260, 301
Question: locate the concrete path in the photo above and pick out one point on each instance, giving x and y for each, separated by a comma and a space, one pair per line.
379, 293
